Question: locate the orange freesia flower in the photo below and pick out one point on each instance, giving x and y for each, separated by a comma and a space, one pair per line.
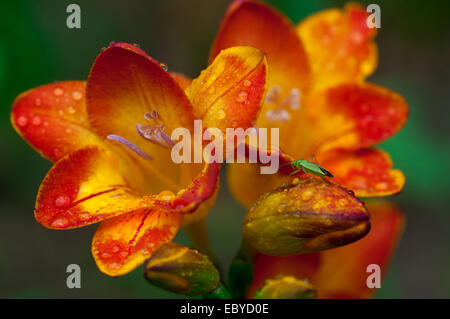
340, 272
318, 98
109, 139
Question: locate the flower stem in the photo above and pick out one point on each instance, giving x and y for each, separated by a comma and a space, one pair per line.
198, 234
240, 274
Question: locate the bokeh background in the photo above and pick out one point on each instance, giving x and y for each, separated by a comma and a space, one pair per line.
37, 48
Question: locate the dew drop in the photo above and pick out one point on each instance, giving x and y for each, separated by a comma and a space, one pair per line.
36, 120
307, 195
76, 95
242, 97
343, 202
106, 255
71, 110
115, 249
113, 266
58, 92
221, 114
38, 102
123, 254
164, 66
60, 222
211, 90
62, 201
247, 83
22, 121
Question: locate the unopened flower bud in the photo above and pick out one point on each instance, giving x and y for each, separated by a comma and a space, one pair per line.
310, 216
181, 270
286, 287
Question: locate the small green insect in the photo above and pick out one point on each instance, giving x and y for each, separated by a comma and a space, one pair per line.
308, 167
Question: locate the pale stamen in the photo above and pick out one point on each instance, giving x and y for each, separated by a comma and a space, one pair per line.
155, 134
130, 145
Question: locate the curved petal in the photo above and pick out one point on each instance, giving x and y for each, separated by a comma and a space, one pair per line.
339, 44
353, 116
341, 272
125, 85
87, 186
53, 119
261, 26
83, 188
230, 91
183, 81
122, 243
367, 172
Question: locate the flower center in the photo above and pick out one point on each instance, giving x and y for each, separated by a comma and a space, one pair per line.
151, 132
280, 112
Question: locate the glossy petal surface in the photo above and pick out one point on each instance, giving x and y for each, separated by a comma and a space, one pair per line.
122, 243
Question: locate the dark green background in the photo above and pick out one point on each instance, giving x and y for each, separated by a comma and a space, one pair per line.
36, 48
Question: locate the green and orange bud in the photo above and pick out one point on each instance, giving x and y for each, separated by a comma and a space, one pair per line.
304, 217
181, 270
286, 287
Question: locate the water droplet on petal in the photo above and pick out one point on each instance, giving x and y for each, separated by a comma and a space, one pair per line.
36, 120
115, 249
307, 195
71, 110
62, 201
60, 222
58, 92
164, 66
247, 83
38, 102
106, 255
242, 97
221, 114
22, 121
76, 95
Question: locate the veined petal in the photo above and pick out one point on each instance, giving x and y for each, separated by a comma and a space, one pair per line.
53, 119
341, 272
258, 25
230, 91
124, 84
88, 186
261, 26
353, 116
122, 243
339, 44
83, 188
367, 172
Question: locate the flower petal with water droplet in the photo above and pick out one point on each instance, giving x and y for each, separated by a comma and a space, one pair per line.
53, 119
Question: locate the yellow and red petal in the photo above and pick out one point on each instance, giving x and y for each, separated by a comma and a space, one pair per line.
53, 119
353, 116
183, 81
83, 188
230, 91
256, 24
341, 272
122, 243
124, 84
367, 172
251, 23
339, 45
88, 186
